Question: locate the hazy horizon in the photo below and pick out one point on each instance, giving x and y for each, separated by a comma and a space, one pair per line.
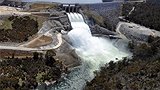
67, 1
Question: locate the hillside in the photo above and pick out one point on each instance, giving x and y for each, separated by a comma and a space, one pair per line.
146, 14
142, 71
104, 14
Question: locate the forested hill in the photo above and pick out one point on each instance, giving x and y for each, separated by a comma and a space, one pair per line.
146, 14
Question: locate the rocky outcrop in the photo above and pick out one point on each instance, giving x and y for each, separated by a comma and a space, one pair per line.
101, 31
67, 54
51, 24
61, 17
108, 11
57, 23
66, 24
136, 32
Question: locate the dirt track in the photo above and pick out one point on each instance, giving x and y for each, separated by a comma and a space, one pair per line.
9, 11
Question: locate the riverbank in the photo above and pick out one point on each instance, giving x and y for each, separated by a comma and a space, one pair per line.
142, 71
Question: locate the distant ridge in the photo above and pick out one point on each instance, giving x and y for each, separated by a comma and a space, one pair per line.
124, 0
67, 1
1, 1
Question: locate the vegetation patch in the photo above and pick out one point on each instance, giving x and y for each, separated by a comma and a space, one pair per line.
6, 24
27, 73
21, 28
140, 72
146, 14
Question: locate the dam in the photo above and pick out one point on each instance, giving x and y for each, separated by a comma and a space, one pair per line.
94, 52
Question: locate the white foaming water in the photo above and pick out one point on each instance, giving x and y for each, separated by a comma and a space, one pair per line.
94, 52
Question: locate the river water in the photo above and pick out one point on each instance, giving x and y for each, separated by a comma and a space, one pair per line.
93, 51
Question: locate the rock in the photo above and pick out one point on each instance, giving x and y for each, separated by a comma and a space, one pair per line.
65, 22
136, 32
64, 32
55, 13
51, 24
63, 19
101, 31
67, 55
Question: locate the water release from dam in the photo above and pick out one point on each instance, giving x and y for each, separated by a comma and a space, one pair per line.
93, 51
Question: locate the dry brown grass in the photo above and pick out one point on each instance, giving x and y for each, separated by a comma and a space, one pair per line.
6, 24
41, 6
39, 41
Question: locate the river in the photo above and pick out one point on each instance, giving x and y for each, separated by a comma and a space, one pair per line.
93, 51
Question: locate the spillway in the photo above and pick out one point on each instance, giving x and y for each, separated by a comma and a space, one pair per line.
93, 51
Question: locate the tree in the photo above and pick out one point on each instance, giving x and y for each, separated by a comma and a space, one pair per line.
35, 56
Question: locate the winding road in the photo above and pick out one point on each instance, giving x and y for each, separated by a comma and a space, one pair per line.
59, 37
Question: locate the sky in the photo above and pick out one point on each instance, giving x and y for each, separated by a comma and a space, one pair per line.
69, 1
